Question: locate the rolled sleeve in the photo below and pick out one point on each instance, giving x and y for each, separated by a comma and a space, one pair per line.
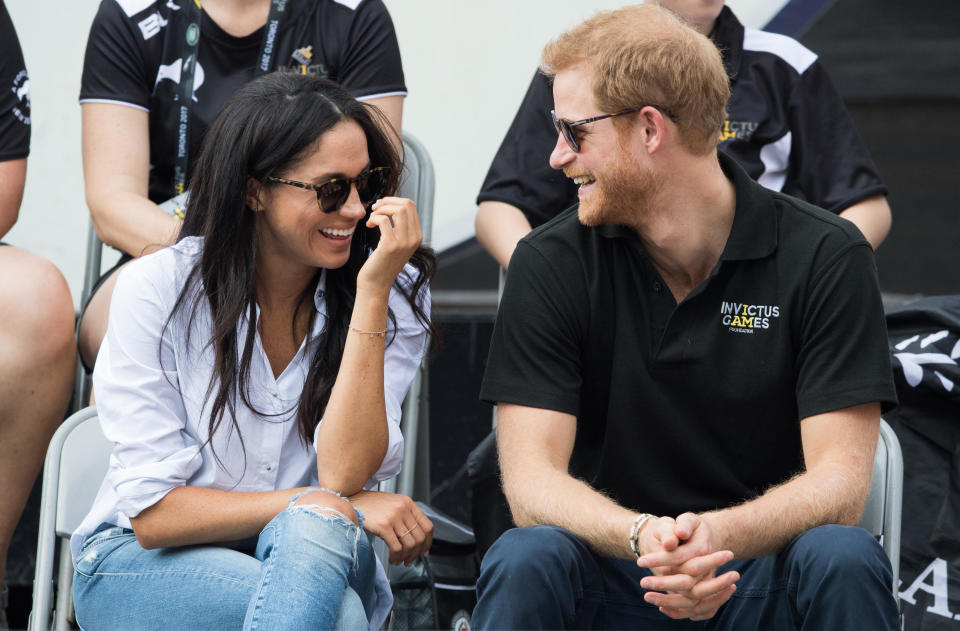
138, 398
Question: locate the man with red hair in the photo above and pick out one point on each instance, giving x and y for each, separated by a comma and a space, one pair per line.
689, 370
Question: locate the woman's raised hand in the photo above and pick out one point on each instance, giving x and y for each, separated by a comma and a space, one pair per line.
400, 236
397, 520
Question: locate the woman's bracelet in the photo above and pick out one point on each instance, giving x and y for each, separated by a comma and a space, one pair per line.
382, 333
638, 523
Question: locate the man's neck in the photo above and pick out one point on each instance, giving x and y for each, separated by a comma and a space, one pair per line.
686, 226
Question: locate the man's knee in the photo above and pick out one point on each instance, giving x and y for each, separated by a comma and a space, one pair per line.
842, 551
527, 554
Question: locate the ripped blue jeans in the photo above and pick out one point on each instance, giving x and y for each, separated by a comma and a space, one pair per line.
308, 569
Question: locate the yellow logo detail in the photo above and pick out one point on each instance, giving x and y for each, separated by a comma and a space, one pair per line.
726, 134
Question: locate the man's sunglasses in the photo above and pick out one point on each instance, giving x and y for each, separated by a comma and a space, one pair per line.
333, 194
566, 128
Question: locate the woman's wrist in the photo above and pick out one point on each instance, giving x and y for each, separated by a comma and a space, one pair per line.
369, 311
373, 291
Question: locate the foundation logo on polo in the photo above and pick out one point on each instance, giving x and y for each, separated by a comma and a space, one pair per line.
741, 130
740, 317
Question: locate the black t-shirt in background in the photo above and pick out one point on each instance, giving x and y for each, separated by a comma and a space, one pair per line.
134, 54
14, 94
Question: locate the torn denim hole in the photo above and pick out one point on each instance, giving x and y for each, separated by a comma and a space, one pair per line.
333, 515
316, 489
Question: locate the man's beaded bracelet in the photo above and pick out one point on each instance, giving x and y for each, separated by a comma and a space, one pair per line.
638, 523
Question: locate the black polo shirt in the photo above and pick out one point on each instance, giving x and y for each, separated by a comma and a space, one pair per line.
693, 406
786, 125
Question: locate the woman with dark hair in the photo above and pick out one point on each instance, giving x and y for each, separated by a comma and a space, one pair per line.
251, 380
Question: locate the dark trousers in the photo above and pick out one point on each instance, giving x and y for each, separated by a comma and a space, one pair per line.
831, 577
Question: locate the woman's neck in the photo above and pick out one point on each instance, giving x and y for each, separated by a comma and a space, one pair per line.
282, 292
238, 18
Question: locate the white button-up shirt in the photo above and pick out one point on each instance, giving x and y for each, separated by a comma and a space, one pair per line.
153, 397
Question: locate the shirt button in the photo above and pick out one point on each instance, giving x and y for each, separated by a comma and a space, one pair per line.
269, 468
658, 287
274, 395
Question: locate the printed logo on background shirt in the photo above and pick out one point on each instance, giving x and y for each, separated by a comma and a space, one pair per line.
302, 62
21, 89
740, 317
741, 130
171, 72
151, 25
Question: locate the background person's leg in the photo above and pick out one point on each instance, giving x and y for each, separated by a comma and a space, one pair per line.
93, 320
37, 363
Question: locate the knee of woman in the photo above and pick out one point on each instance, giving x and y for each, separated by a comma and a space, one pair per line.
327, 503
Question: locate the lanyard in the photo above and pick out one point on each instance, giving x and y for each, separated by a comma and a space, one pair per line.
189, 51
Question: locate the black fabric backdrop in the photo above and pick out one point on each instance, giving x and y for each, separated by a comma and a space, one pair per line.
925, 345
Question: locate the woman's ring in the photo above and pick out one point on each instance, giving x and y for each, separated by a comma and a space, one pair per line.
409, 531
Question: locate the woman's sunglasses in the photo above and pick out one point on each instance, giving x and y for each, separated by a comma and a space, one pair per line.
333, 194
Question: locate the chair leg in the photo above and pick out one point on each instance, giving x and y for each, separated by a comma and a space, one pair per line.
63, 618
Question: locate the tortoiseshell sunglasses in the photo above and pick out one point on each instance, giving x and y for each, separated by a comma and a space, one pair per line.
567, 128
333, 194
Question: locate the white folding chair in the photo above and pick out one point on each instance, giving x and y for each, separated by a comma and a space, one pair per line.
91, 273
882, 514
418, 183
76, 463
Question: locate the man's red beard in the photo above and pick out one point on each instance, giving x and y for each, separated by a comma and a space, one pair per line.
621, 196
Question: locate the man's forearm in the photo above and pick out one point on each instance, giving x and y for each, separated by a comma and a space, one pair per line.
838, 449
831, 495
553, 497
535, 447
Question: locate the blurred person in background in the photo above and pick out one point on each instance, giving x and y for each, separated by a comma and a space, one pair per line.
37, 344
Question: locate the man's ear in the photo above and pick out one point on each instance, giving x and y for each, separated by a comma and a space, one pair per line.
253, 195
651, 124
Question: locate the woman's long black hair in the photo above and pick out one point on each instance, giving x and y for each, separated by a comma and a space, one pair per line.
265, 128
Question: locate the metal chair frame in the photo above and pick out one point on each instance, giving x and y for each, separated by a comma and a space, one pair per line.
882, 515
75, 464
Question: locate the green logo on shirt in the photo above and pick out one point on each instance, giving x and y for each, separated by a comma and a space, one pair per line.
193, 34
